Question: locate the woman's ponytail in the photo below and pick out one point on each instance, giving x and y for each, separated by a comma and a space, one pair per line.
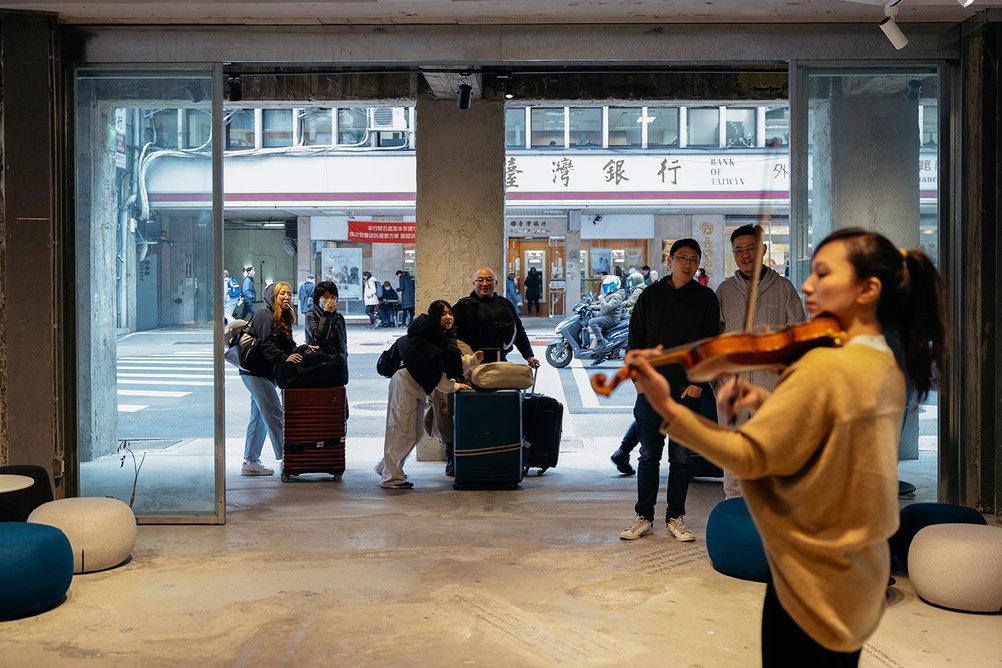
922, 327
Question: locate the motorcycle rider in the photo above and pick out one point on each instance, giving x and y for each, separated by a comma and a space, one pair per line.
610, 309
636, 286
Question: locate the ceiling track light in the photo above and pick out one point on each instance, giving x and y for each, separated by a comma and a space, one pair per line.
890, 27
507, 86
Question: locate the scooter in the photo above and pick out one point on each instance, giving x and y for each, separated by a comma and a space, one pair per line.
573, 338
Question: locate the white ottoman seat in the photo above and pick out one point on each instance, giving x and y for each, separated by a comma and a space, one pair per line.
102, 531
957, 566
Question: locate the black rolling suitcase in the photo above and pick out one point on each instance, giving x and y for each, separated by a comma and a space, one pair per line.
315, 422
542, 426
487, 441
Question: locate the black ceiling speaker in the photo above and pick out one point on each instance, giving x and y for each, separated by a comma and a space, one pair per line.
464, 98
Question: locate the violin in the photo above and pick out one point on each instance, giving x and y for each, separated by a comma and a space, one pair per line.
737, 352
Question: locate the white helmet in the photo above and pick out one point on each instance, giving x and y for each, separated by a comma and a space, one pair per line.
610, 283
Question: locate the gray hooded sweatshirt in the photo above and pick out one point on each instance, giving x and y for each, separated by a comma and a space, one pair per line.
779, 305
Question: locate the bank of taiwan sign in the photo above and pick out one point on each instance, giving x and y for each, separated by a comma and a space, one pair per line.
381, 233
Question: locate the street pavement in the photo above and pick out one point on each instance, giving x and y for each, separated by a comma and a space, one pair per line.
166, 388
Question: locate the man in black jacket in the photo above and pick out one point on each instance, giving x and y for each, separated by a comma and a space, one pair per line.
671, 312
486, 320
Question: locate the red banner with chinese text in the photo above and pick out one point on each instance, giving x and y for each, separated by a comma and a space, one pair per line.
381, 233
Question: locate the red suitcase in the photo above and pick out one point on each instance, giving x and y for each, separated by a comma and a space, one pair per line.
315, 424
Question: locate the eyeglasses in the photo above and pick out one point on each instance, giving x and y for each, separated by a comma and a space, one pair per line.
746, 249
483, 280
685, 259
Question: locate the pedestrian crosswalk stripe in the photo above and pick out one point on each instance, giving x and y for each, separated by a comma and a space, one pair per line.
153, 393
193, 383
165, 375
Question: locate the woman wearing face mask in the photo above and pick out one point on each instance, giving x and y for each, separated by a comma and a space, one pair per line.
272, 327
432, 361
818, 459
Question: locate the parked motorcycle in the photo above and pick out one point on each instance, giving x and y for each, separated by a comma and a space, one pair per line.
573, 338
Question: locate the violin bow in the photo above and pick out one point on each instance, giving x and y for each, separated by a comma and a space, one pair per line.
765, 216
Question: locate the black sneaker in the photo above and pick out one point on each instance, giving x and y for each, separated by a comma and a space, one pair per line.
621, 459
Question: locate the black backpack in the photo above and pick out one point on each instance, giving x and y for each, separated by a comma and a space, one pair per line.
389, 361
241, 345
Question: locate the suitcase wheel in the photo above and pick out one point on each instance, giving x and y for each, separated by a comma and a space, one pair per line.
542, 470
337, 477
285, 477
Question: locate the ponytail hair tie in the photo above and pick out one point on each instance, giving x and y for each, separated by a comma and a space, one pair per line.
904, 253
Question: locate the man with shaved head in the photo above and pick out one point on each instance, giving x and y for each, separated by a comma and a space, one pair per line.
486, 320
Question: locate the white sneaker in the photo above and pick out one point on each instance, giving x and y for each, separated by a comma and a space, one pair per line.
255, 468
640, 527
678, 529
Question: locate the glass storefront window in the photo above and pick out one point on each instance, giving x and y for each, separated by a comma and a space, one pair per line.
741, 128
547, 124
316, 126
514, 127
662, 128
276, 127
704, 126
586, 127
777, 126
148, 377
164, 128
848, 128
625, 126
352, 125
240, 129
930, 125
197, 128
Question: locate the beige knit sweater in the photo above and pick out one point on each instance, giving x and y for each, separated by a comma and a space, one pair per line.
818, 464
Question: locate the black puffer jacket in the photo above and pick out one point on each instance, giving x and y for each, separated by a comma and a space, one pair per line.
428, 351
271, 349
490, 323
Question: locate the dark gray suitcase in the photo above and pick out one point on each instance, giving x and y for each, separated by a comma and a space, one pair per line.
488, 439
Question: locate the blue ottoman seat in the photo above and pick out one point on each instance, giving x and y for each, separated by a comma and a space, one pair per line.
734, 544
36, 568
918, 516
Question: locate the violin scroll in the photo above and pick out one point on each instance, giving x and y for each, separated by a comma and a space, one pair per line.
598, 381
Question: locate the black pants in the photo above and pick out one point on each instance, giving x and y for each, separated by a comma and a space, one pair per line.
784, 643
528, 309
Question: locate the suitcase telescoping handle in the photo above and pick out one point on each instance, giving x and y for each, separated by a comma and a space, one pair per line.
532, 390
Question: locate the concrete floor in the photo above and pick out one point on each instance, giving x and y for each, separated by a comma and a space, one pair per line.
344, 573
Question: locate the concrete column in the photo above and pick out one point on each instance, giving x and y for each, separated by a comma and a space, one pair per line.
29, 372
304, 251
459, 203
460, 196
572, 261
866, 174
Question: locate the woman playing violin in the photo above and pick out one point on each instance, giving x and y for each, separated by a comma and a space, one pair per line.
818, 458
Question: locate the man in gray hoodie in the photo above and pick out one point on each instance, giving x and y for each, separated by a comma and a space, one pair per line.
779, 305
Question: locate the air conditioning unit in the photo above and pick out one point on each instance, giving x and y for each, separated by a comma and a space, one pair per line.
388, 118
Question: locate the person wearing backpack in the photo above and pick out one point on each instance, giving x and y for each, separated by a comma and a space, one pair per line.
272, 328
431, 361
245, 305
231, 293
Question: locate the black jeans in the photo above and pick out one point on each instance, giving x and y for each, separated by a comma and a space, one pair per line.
531, 303
784, 643
652, 443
